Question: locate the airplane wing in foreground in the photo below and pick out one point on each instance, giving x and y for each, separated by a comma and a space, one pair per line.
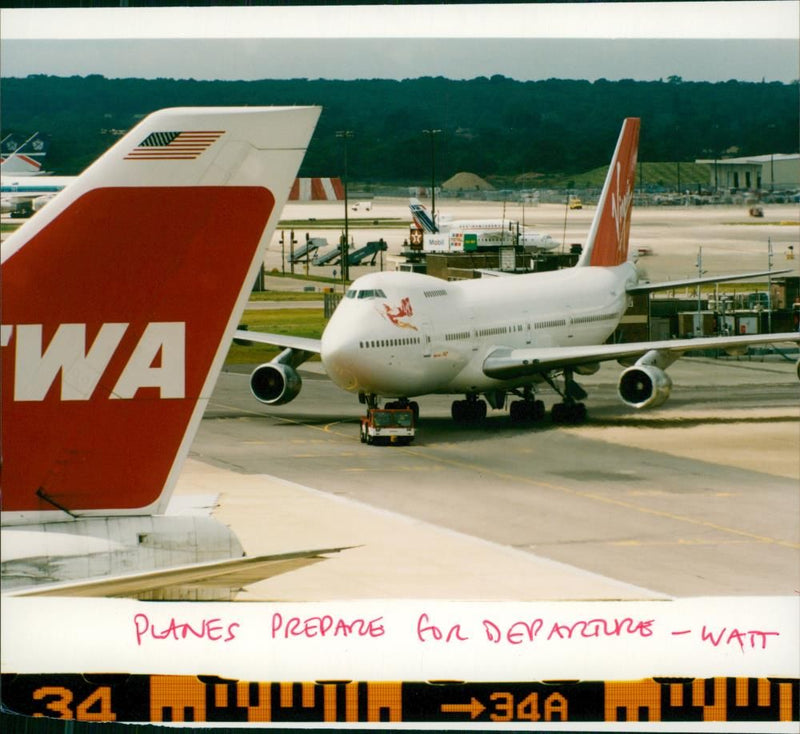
231, 575
510, 363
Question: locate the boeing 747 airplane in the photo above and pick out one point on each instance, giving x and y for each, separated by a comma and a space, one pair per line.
119, 302
400, 335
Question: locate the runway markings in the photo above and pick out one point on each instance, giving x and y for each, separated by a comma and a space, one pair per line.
664, 493
677, 541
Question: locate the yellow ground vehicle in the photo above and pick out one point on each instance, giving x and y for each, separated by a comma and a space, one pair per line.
388, 425
575, 203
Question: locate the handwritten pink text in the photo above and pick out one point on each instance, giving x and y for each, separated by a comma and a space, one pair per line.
214, 630
325, 626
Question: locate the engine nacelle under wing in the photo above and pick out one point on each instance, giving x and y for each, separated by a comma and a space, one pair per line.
644, 386
274, 383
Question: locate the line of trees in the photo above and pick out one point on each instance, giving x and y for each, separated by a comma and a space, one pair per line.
495, 127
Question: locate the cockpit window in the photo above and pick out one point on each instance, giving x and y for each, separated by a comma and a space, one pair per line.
371, 293
351, 293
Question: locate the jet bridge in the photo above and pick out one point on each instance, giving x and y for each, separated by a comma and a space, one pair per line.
331, 257
312, 245
370, 249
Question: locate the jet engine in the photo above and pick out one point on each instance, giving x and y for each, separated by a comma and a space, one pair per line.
644, 386
274, 383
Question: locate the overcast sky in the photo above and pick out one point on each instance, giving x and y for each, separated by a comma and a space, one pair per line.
747, 41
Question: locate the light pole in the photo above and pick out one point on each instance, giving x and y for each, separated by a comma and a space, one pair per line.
769, 285
700, 274
433, 133
345, 135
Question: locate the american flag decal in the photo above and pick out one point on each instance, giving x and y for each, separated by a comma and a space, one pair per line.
174, 146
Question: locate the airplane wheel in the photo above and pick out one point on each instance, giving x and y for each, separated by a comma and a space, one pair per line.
570, 413
578, 413
526, 410
468, 411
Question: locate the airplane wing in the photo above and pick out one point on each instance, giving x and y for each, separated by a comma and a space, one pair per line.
506, 363
669, 284
230, 574
286, 341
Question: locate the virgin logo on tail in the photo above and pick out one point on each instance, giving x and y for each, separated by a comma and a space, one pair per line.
157, 361
620, 210
608, 239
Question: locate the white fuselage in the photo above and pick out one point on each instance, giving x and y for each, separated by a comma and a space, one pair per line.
406, 334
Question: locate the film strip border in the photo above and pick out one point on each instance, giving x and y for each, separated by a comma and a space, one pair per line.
206, 699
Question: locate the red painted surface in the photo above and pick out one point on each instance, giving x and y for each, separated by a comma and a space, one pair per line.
120, 255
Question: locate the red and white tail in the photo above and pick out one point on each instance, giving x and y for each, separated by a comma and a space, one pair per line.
119, 300
607, 244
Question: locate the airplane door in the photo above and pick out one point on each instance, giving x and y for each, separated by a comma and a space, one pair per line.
425, 336
526, 316
473, 334
568, 317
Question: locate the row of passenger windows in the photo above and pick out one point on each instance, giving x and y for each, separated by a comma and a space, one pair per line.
435, 293
365, 293
550, 324
377, 343
493, 331
592, 319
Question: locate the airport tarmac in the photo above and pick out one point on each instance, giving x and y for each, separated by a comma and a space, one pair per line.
697, 498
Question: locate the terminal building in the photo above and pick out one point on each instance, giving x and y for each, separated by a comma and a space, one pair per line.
772, 172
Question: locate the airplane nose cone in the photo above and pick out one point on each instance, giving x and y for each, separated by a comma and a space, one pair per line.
340, 355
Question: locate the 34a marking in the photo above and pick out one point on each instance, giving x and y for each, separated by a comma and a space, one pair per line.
58, 700
553, 708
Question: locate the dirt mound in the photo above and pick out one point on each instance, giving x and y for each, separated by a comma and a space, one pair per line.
467, 182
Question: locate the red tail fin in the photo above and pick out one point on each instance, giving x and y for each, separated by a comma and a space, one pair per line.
119, 300
607, 244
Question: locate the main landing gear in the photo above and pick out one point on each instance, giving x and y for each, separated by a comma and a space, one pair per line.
570, 411
527, 410
471, 410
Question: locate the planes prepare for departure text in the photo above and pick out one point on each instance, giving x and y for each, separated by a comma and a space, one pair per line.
492, 338
119, 303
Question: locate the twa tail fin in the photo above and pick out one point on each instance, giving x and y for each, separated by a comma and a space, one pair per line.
607, 244
119, 301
